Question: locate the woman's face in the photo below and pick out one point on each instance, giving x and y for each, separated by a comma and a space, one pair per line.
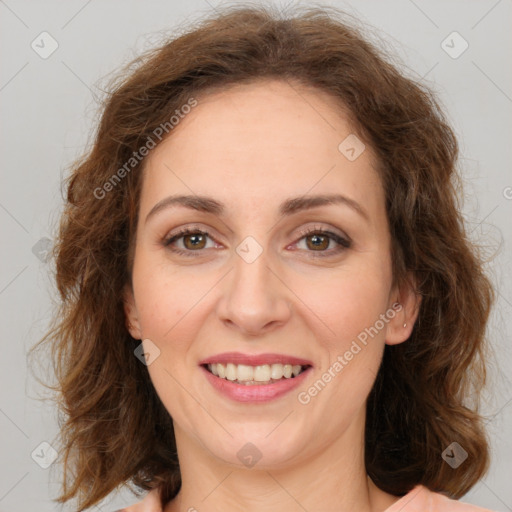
264, 281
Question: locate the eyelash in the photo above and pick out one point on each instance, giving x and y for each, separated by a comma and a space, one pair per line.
343, 243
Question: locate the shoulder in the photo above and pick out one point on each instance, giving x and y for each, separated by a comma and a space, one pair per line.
150, 503
421, 499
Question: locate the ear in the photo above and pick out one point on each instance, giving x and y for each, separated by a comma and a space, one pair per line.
130, 311
400, 327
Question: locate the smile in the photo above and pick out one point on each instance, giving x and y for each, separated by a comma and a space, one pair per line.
255, 375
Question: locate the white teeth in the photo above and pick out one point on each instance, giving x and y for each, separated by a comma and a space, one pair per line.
276, 371
246, 374
262, 373
231, 371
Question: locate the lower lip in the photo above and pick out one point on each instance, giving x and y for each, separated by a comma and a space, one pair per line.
255, 392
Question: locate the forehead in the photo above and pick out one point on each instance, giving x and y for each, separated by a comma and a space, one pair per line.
251, 144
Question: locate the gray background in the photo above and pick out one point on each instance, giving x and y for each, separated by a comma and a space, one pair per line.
48, 111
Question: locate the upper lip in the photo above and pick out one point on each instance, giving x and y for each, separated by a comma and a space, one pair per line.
254, 359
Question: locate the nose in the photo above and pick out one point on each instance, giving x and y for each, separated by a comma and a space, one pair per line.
255, 300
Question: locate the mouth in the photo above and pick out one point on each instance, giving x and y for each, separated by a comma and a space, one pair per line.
255, 378
258, 375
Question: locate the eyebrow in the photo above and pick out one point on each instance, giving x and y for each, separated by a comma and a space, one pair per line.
289, 207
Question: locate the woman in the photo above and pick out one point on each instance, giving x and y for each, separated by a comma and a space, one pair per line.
269, 300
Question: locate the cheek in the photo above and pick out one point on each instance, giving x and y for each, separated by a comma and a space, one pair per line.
169, 306
348, 301
173, 305
163, 298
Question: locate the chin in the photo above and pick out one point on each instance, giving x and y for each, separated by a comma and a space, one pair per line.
256, 447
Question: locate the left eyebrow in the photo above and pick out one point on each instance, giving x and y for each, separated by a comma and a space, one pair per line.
287, 208
296, 204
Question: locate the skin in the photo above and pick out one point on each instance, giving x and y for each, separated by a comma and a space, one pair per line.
251, 147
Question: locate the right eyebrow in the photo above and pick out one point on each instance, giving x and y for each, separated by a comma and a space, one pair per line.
199, 203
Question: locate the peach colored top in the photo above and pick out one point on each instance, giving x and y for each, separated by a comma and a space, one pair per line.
420, 499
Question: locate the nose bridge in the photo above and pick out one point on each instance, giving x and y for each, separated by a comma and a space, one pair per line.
253, 298
251, 276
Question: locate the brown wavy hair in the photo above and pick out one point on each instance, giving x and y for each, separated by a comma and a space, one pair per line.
114, 428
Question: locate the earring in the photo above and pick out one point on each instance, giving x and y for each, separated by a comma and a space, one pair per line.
405, 325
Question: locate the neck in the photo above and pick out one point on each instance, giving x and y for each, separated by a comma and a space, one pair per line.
333, 479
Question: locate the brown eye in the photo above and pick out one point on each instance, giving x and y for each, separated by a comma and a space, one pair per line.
194, 241
317, 242
189, 242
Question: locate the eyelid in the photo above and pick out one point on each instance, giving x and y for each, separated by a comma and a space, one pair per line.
342, 241
325, 230
186, 230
